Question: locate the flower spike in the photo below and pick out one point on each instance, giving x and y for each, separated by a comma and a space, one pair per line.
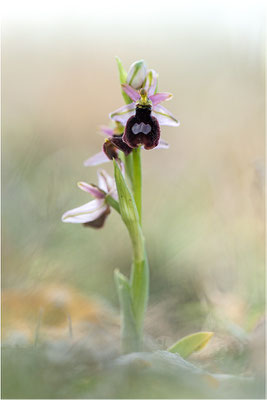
137, 123
144, 115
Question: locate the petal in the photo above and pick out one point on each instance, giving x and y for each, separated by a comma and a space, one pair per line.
106, 130
132, 93
97, 159
137, 74
162, 145
99, 222
164, 116
105, 181
92, 189
159, 97
86, 213
151, 82
123, 113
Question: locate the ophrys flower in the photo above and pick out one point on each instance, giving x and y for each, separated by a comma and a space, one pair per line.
113, 144
144, 115
95, 212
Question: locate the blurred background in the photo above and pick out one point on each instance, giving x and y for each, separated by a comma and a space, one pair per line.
203, 198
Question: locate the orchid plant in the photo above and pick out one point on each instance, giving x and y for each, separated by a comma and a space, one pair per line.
136, 127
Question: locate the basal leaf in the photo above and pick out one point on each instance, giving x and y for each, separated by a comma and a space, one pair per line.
191, 343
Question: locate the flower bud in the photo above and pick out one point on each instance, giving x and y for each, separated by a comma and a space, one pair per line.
137, 74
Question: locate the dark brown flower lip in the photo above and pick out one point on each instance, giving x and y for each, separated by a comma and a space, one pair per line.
110, 150
142, 129
113, 144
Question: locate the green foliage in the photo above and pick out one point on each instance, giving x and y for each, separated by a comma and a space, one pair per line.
129, 333
191, 343
123, 77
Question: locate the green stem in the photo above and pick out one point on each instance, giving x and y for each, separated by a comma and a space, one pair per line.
140, 293
140, 269
137, 181
139, 282
113, 203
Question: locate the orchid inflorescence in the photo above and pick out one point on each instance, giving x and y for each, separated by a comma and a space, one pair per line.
136, 126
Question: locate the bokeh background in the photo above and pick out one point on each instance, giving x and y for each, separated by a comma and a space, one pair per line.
203, 198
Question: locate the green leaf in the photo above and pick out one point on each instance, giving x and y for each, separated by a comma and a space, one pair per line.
191, 343
122, 72
123, 77
129, 213
137, 181
129, 335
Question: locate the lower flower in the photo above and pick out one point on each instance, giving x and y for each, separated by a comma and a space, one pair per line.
95, 212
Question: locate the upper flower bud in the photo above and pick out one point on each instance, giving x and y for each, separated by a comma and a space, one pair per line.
137, 74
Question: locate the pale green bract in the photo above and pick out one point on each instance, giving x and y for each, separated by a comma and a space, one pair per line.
129, 213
